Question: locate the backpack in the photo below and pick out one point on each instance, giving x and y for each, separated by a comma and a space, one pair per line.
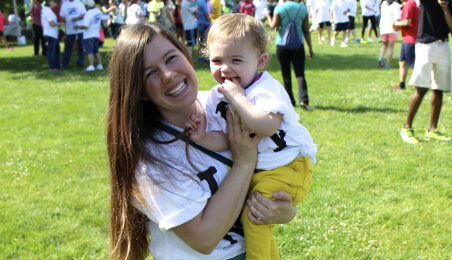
291, 41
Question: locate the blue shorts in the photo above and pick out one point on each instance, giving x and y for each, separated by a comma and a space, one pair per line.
190, 36
407, 53
341, 27
91, 45
322, 24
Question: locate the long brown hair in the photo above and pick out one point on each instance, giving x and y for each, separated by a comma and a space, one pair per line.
131, 122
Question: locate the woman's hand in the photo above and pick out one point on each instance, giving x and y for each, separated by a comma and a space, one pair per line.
243, 147
278, 211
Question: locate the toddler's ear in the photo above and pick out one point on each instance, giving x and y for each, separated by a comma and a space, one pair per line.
262, 61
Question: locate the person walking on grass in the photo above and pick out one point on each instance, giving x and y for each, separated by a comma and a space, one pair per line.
339, 15
432, 66
353, 5
91, 27
408, 24
2, 34
390, 12
323, 17
368, 10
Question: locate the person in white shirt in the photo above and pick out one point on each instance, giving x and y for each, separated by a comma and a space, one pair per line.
91, 27
323, 17
368, 11
72, 11
134, 13
260, 6
390, 12
189, 12
353, 5
12, 18
50, 31
339, 15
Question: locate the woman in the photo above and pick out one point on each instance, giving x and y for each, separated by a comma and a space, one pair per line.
283, 14
50, 31
116, 18
369, 9
158, 177
390, 12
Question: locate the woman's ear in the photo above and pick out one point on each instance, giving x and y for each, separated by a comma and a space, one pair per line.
262, 61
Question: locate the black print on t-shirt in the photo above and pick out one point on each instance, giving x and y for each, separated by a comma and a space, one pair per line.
278, 138
207, 175
221, 107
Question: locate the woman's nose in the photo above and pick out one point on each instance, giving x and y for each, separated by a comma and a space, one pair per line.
167, 75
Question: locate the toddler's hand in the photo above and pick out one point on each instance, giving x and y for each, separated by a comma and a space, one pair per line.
231, 89
198, 126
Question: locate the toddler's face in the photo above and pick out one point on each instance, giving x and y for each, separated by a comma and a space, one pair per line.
235, 59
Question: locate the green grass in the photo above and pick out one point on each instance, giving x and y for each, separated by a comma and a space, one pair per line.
373, 196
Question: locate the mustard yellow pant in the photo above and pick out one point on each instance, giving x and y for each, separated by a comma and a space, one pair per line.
295, 178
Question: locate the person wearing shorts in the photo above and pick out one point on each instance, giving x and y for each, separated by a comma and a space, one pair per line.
390, 12
431, 67
353, 5
322, 16
188, 13
339, 15
408, 24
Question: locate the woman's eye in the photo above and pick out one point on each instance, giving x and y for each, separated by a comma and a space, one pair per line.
236, 60
171, 58
150, 73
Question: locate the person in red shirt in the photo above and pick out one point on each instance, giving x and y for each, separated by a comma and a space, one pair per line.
2, 29
35, 13
408, 23
247, 7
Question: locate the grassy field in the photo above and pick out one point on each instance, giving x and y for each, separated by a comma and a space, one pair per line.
373, 196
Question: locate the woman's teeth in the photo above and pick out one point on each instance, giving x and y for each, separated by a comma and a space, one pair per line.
178, 89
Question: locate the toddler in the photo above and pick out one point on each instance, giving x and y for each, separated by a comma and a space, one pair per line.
236, 47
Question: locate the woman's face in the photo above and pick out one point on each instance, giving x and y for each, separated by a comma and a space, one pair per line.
171, 82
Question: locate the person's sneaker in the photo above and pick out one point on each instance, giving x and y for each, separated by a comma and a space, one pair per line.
305, 106
407, 135
357, 41
10, 49
363, 41
347, 41
436, 135
343, 44
328, 41
380, 62
90, 68
320, 42
370, 40
387, 67
378, 40
322, 38
99, 67
332, 43
53, 70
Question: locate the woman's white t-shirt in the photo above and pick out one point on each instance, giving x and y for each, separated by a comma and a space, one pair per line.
175, 202
389, 13
47, 15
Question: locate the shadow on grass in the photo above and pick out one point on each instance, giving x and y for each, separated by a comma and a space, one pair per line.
360, 109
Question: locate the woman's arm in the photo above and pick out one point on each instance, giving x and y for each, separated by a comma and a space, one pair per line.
109, 10
307, 36
206, 230
275, 22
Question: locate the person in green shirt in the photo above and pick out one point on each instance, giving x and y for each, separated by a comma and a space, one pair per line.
154, 9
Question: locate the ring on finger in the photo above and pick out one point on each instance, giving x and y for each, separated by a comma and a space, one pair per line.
261, 216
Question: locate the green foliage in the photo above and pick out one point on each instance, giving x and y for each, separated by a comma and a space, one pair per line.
373, 196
